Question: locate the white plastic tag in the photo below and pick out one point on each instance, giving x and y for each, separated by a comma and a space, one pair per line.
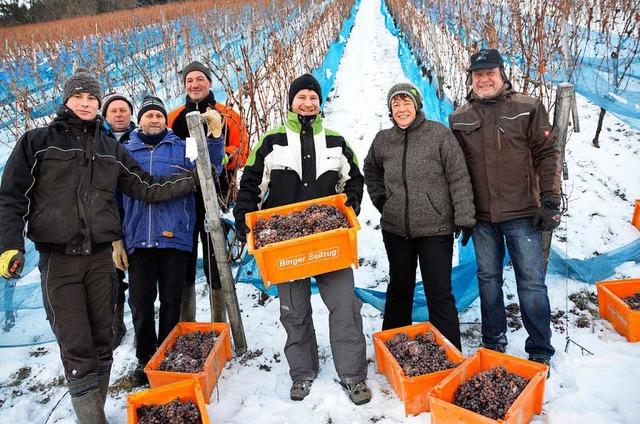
192, 148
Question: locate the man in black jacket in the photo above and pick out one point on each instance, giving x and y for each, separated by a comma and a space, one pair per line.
61, 180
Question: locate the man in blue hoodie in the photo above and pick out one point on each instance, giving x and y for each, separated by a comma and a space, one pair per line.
159, 237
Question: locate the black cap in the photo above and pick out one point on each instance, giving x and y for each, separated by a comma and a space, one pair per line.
151, 103
305, 82
195, 66
486, 59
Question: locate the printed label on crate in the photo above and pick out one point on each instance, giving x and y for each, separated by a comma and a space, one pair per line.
309, 258
617, 315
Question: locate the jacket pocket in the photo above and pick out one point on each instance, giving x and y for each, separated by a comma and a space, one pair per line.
433, 205
105, 174
59, 168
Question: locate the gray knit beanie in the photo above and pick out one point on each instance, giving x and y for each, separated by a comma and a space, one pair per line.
151, 103
110, 97
195, 66
408, 89
82, 81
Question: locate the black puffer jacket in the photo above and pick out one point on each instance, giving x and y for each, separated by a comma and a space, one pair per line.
61, 179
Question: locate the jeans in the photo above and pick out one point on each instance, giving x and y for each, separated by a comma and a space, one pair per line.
525, 248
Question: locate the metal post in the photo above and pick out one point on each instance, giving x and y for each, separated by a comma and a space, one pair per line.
194, 122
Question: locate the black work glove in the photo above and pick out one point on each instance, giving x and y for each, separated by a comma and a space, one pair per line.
466, 234
352, 200
548, 215
242, 230
196, 177
11, 263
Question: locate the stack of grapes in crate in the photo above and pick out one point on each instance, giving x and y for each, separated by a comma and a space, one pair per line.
414, 359
303, 239
489, 387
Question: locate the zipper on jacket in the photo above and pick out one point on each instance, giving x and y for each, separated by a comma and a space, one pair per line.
405, 139
500, 130
149, 204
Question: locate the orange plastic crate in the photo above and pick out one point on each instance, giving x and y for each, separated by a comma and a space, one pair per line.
414, 391
310, 255
618, 313
183, 390
528, 404
213, 366
636, 215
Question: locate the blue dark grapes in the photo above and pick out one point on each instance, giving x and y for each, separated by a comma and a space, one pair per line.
174, 412
420, 356
312, 220
490, 393
188, 352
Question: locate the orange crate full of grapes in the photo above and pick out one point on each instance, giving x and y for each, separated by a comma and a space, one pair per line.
413, 391
213, 365
309, 255
617, 312
526, 405
183, 390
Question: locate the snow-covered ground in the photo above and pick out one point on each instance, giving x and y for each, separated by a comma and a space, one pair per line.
598, 388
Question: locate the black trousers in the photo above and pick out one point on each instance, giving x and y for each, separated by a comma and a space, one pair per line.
78, 294
167, 268
435, 255
122, 286
209, 259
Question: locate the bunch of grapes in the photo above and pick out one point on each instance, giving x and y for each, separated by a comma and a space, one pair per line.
420, 356
312, 220
188, 352
633, 301
490, 393
174, 412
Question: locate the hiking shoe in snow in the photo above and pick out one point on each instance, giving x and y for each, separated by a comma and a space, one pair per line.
138, 377
497, 347
544, 361
300, 389
359, 393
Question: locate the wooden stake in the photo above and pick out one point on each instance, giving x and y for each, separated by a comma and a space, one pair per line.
208, 189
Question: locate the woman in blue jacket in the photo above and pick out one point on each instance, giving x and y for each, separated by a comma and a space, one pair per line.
158, 237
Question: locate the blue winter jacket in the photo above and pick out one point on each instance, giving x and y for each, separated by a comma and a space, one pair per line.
167, 224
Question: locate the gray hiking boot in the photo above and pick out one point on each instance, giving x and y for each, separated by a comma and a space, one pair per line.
300, 389
359, 393
544, 361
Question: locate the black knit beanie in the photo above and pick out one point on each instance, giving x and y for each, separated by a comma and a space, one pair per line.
195, 66
408, 89
82, 81
110, 97
305, 82
151, 103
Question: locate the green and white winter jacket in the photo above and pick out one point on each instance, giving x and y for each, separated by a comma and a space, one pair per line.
296, 162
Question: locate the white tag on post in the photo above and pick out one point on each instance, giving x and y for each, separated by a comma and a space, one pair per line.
192, 148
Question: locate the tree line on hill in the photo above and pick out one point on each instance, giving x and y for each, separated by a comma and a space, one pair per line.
21, 12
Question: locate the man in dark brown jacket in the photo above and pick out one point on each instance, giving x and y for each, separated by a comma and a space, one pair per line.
510, 151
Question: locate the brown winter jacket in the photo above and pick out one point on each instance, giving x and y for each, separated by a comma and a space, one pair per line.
418, 180
510, 150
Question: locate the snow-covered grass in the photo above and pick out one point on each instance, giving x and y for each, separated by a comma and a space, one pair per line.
598, 388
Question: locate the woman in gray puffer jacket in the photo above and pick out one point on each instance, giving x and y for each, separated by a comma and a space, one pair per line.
417, 178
